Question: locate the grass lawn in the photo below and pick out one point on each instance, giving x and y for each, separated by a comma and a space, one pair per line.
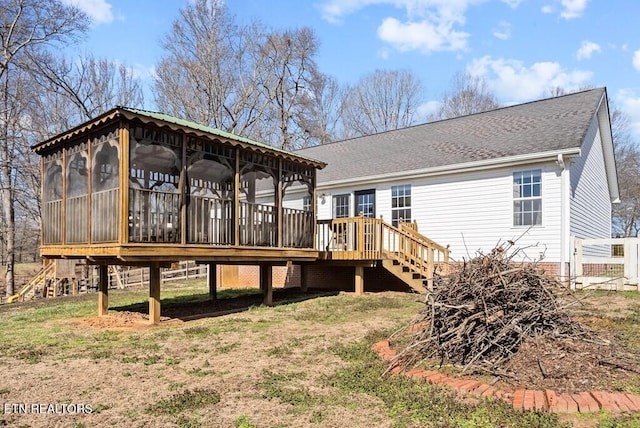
299, 364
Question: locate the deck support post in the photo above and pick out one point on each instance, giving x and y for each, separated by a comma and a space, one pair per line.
154, 293
212, 280
103, 290
304, 278
359, 280
266, 284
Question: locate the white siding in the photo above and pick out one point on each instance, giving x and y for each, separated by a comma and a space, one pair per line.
590, 203
294, 200
472, 211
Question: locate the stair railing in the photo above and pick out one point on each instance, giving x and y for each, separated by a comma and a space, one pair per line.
441, 253
363, 238
33, 282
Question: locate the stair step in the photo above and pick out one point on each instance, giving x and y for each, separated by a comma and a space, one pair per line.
405, 274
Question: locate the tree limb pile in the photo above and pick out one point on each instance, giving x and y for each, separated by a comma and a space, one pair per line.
478, 316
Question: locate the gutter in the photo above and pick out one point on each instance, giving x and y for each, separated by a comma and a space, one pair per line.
485, 164
565, 215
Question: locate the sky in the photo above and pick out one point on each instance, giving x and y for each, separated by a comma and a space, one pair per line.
522, 48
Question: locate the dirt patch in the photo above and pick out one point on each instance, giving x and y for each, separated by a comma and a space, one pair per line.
124, 320
570, 365
177, 313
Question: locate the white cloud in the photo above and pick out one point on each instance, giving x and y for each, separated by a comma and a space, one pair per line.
547, 9
570, 8
333, 11
425, 25
512, 3
587, 49
629, 103
573, 8
427, 109
422, 36
636, 60
502, 31
144, 72
513, 81
98, 10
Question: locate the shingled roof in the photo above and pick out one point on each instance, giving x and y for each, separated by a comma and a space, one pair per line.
546, 126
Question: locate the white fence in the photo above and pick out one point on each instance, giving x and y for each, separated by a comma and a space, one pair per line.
606, 264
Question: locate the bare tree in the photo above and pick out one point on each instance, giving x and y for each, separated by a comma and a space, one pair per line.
470, 94
25, 26
242, 79
210, 69
72, 91
287, 83
558, 91
381, 101
626, 214
321, 121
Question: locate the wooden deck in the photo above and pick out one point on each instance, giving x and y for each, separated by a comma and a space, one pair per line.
148, 253
357, 242
138, 188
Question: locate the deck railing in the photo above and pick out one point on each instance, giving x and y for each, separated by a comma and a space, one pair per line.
210, 221
258, 225
362, 238
441, 256
297, 228
408, 226
154, 216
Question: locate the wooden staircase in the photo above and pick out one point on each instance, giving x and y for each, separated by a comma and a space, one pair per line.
36, 283
415, 262
410, 256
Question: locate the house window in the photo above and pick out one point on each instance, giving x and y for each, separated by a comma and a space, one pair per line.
400, 203
527, 198
306, 203
340, 206
366, 203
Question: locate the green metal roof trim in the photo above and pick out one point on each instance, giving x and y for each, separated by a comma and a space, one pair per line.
111, 114
214, 131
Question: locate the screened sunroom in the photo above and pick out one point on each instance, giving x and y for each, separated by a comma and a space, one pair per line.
133, 185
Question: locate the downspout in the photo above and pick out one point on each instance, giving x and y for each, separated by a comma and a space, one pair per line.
564, 217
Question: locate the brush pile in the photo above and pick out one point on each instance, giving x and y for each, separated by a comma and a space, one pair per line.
479, 315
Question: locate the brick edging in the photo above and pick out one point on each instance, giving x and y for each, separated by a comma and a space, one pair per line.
521, 399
